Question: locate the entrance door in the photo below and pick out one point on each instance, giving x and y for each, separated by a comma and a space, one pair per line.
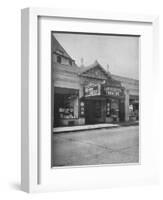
94, 111
121, 111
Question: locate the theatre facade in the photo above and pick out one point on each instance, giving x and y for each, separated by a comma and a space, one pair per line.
90, 94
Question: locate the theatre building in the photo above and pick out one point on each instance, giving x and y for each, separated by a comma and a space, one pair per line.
89, 94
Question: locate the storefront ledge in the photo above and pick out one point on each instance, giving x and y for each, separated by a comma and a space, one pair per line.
83, 128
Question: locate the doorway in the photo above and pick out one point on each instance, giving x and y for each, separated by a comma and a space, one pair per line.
94, 111
121, 111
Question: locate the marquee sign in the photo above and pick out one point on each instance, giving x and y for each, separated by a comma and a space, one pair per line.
96, 90
92, 90
112, 91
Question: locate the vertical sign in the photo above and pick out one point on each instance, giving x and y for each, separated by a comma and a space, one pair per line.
108, 107
82, 108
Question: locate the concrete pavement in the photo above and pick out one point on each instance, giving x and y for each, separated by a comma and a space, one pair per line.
83, 127
93, 147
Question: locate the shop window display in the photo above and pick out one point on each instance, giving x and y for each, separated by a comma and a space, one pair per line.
133, 110
66, 111
114, 110
65, 106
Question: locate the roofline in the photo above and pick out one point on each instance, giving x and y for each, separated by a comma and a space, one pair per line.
114, 75
63, 48
96, 63
54, 52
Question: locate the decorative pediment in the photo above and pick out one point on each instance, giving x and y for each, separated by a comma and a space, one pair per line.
94, 71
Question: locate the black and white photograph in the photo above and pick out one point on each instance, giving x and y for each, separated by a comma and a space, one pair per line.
95, 99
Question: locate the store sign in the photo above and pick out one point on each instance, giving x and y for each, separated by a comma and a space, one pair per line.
82, 108
108, 109
113, 91
92, 90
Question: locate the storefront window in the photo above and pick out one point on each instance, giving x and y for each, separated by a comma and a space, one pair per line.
131, 110
66, 110
115, 110
134, 109
65, 106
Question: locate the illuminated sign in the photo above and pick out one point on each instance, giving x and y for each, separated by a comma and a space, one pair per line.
92, 90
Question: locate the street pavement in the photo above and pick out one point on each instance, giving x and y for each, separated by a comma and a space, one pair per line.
92, 147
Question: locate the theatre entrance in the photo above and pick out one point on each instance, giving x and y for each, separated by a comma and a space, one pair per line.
95, 111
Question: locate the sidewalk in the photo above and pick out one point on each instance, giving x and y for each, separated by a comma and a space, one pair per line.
83, 127
93, 126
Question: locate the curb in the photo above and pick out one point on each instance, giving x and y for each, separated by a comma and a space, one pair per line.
96, 128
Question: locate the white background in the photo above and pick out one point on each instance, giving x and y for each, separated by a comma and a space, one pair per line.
98, 176
10, 97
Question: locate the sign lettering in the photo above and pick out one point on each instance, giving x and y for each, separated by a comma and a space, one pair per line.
92, 90
113, 91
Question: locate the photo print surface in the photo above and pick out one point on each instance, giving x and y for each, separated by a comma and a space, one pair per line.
95, 99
